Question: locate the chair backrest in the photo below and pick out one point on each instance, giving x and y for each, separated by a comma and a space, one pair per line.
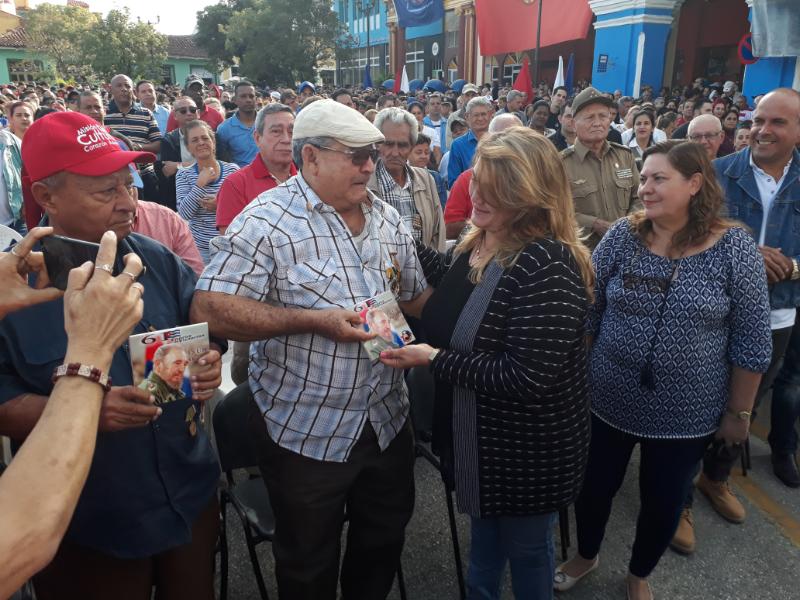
421, 389
233, 429
8, 235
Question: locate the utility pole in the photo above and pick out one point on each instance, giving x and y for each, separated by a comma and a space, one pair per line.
536, 51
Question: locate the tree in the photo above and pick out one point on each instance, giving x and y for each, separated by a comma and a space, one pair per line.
282, 41
115, 45
211, 35
58, 32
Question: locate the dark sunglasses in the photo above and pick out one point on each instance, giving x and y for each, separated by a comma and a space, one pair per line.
188, 109
359, 156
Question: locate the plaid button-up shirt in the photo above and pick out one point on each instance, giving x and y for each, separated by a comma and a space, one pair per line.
401, 198
289, 249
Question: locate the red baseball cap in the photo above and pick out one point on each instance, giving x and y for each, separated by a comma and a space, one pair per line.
72, 142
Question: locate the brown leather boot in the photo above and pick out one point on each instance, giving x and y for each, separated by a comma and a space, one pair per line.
722, 499
683, 542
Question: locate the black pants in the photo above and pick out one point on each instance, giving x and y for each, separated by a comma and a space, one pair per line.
719, 462
664, 474
310, 498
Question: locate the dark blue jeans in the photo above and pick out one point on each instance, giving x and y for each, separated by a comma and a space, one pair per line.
526, 543
786, 400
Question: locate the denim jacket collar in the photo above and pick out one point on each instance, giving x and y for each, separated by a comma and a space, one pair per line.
739, 169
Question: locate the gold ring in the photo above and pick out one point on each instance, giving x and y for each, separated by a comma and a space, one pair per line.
107, 268
131, 275
139, 288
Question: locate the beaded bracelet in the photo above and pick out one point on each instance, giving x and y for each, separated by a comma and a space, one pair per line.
80, 370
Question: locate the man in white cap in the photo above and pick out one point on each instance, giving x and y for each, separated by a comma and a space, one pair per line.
468, 92
332, 424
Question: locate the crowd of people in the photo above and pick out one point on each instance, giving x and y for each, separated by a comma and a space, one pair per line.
584, 273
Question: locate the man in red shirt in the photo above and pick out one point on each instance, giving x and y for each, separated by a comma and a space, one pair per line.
195, 90
272, 165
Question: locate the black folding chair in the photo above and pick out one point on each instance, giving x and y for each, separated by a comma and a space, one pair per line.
248, 498
420, 392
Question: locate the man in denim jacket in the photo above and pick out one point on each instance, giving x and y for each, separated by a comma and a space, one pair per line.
762, 189
761, 185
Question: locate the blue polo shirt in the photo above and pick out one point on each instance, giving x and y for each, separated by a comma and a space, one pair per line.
235, 142
161, 113
146, 485
461, 153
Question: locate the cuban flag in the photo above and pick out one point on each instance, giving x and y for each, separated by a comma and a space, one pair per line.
413, 13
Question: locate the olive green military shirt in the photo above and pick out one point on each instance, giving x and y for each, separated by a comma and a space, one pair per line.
602, 188
160, 389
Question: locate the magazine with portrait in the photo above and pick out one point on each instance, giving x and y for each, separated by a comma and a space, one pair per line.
382, 315
164, 361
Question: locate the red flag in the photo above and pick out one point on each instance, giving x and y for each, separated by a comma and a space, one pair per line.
510, 25
523, 81
397, 78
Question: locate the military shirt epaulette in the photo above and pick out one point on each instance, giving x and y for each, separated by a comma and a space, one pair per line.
568, 151
621, 147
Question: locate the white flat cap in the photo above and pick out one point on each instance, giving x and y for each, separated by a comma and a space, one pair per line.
328, 118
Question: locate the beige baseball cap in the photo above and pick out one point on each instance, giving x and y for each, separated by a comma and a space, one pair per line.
328, 118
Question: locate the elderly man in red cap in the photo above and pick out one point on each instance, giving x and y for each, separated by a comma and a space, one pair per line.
148, 514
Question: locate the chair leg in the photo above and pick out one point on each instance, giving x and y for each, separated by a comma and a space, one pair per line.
747, 465
251, 548
401, 582
223, 554
451, 515
563, 528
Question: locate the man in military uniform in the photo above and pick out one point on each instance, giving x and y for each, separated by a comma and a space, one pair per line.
165, 380
602, 174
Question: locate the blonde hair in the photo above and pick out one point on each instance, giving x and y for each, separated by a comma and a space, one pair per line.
520, 171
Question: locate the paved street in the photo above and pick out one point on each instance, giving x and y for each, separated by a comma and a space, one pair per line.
759, 559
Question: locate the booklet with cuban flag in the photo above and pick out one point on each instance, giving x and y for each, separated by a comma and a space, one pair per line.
382, 315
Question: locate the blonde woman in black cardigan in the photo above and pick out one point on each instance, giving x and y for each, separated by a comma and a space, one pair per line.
506, 324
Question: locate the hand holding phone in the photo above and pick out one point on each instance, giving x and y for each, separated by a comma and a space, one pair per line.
62, 254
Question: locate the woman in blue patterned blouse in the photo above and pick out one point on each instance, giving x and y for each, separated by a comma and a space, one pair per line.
196, 186
680, 336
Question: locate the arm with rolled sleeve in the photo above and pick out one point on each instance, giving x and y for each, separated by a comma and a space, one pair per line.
750, 340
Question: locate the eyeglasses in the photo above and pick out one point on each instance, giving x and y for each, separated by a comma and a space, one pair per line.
186, 109
359, 156
699, 137
398, 145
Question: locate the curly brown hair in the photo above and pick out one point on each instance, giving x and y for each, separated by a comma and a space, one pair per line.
705, 207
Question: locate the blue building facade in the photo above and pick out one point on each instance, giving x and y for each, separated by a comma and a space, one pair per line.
423, 45
637, 42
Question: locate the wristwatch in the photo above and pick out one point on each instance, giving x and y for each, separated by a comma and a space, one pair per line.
795, 270
742, 415
433, 354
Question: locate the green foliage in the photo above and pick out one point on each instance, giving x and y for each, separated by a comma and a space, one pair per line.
58, 32
212, 25
277, 41
83, 45
116, 45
